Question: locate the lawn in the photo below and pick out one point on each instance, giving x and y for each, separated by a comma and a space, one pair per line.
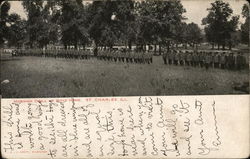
49, 77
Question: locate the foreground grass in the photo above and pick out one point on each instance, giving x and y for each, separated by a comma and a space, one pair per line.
48, 77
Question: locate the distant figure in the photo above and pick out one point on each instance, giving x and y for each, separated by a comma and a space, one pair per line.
240, 61
189, 58
216, 60
223, 60
182, 58
176, 57
171, 57
201, 58
207, 60
164, 56
196, 59
231, 61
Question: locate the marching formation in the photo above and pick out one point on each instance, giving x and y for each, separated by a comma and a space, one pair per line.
107, 55
126, 56
207, 59
223, 60
56, 53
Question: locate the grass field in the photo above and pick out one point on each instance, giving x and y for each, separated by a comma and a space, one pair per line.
49, 77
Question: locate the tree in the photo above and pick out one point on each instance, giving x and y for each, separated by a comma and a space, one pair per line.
4, 9
36, 24
245, 27
73, 23
180, 33
125, 15
193, 34
16, 31
111, 22
210, 36
158, 21
219, 23
42, 22
12, 28
49, 31
96, 22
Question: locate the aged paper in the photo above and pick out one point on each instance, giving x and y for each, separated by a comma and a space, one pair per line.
131, 127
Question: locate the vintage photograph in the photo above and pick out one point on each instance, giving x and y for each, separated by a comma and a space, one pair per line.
79, 48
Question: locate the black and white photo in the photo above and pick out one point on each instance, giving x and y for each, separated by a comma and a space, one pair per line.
84, 48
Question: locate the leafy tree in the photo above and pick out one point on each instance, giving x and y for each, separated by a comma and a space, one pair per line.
158, 21
245, 27
180, 33
210, 36
35, 22
111, 22
144, 22
12, 27
49, 31
219, 23
187, 34
16, 31
73, 23
42, 22
193, 34
101, 22
96, 22
4, 9
125, 16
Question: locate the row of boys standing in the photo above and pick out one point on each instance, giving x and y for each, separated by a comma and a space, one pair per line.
205, 59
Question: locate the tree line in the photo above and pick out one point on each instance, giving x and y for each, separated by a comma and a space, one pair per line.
109, 23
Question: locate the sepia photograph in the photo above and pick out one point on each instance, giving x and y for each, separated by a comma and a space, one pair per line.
124, 79
79, 48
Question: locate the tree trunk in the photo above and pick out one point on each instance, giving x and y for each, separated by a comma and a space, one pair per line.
155, 49
96, 49
218, 47
185, 46
75, 46
168, 45
223, 46
230, 45
129, 44
212, 46
159, 49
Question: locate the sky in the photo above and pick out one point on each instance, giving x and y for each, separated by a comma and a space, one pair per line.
196, 10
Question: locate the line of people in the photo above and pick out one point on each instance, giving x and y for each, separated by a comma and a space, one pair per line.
207, 59
125, 56
70, 53
107, 55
